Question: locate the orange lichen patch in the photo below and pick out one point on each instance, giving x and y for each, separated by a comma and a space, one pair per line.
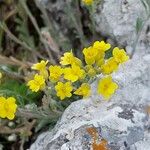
147, 110
93, 132
102, 145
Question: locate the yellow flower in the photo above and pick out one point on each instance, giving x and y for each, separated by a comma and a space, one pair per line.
110, 66
106, 87
88, 2
63, 90
84, 90
55, 73
37, 84
41, 67
101, 47
120, 55
96, 53
70, 59
74, 73
8, 107
90, 55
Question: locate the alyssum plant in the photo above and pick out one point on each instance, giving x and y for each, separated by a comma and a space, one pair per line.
72, 78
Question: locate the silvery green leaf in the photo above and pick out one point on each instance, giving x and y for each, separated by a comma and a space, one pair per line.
146, 4
139, 24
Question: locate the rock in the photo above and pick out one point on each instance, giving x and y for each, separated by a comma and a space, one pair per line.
123, 121
117, 19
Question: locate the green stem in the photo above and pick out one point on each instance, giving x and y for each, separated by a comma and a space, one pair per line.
138, 36
91, 11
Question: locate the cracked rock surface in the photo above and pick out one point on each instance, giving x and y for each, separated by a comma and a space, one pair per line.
117, 18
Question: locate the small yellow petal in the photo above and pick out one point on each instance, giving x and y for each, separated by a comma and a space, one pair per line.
74, 73
38, 83
70, 59
55, 73
88, 2
40, 66
8, 107
63, 90
109, 67
120, 55
84, 90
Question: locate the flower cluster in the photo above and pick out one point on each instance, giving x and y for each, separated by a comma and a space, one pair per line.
73, 76
8, 107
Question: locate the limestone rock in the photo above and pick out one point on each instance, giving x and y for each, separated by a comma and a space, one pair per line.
117, 19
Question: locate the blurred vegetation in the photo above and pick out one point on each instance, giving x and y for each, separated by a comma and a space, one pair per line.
140, 23
26, 29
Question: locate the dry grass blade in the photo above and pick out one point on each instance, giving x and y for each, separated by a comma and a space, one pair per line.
13, 61
25, 129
